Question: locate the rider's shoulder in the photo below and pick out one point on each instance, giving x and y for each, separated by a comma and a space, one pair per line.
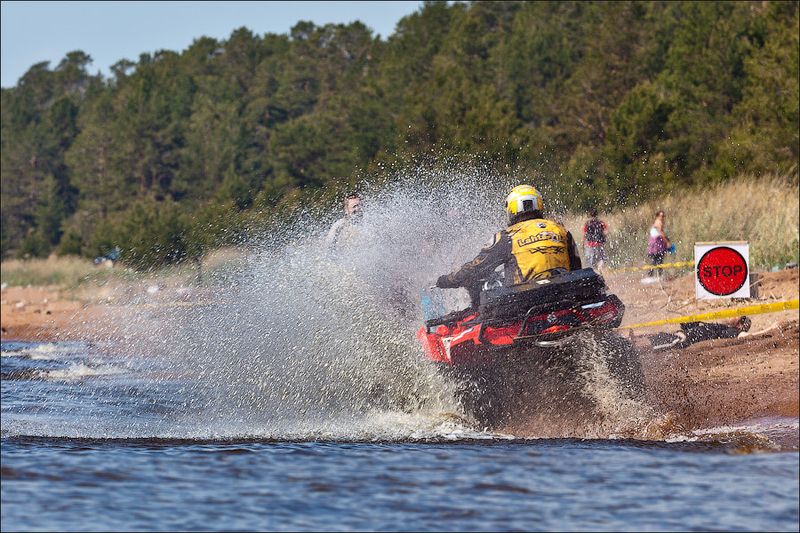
556, 223
497, 238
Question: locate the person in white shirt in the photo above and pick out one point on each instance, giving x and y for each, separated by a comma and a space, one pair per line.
343, 228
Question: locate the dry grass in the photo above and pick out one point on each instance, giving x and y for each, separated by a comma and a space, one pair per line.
71, 272
66, 271
763, 211
223, 257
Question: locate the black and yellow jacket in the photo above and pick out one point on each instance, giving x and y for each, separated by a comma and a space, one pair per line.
530, 249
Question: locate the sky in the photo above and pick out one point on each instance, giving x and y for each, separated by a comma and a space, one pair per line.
35, 31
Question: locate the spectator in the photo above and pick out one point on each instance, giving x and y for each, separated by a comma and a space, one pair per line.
110, 258
657, 246
594, 241
343, 228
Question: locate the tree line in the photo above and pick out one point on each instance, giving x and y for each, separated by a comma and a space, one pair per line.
608, 102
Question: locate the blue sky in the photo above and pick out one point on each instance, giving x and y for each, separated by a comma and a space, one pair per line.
110, 31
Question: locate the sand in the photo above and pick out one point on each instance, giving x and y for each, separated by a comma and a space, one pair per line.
717, 382
43, 314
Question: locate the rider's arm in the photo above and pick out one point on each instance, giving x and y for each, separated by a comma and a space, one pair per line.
333, 233
489, 258
572, 249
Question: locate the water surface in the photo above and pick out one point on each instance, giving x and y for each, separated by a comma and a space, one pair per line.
567, 485
92, 440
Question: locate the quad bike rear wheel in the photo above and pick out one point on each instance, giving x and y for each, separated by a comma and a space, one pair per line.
622, 361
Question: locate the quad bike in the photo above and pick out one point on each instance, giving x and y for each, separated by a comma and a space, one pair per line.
499, 349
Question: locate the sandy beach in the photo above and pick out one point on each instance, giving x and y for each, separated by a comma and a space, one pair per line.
723, 381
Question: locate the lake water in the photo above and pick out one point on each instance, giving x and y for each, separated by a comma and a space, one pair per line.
93, 440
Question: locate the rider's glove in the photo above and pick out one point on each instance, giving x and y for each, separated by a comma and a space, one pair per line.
444, 282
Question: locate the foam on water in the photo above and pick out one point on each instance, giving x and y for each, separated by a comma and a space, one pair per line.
48, 351
81, 371
760, 434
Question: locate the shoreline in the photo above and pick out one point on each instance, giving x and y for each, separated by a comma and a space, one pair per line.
709, 384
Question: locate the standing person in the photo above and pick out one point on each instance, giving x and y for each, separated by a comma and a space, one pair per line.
343, 229
594, 240
345, 236
657, 246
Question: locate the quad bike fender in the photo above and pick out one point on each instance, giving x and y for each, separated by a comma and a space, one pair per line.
459, 346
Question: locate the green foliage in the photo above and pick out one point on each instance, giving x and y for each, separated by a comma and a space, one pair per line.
605, 103
34, 245
70, 244
766, 135
151, 233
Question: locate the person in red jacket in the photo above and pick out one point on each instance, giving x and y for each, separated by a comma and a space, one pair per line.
594, 241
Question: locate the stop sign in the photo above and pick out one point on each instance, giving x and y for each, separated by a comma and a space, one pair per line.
722, 271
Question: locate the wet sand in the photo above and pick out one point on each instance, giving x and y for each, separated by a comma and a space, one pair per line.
727, 381
720, 381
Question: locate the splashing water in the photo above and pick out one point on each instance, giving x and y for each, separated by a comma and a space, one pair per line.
606, 364
303, 341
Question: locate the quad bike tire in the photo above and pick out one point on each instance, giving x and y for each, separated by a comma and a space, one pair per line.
623, 363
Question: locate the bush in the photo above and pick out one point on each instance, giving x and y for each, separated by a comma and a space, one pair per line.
34, 245
150, 234
71, 244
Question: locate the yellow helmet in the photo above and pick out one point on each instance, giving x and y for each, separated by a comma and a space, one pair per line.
523, 199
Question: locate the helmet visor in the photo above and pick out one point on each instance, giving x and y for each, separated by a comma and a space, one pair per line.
526, 204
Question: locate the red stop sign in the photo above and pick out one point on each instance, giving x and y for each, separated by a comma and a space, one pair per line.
722, 271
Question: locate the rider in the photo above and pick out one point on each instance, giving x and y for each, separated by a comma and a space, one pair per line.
530, 248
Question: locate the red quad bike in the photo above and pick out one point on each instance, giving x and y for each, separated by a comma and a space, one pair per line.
499, 349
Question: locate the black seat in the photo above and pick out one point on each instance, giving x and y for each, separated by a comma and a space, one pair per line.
515, 300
